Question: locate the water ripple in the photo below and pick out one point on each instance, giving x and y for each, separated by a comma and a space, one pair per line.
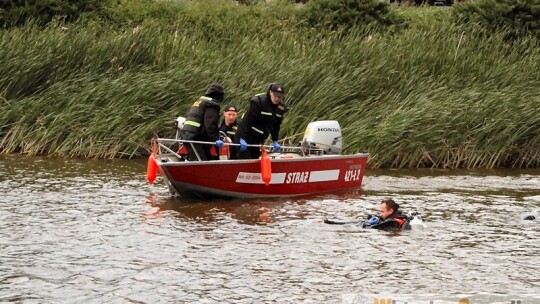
93, 231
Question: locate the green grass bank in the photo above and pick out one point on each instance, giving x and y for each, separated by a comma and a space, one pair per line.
427, 94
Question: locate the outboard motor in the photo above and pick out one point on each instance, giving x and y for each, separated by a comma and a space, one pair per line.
323, 137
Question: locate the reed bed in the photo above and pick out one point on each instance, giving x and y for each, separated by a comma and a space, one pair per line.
431, 95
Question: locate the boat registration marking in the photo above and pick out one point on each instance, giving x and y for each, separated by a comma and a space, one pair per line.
352, 175
255, 178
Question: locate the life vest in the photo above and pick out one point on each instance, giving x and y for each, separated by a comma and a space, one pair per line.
393, 223
400, 221
194, 123
269, 116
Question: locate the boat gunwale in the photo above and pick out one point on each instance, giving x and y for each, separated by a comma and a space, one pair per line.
248, 161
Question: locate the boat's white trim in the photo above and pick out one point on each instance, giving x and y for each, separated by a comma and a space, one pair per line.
289, 178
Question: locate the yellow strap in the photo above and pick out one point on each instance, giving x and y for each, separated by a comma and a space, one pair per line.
192, 123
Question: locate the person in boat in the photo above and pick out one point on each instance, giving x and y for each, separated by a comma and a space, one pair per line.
263, 117
229, 124
390, 218
202, 122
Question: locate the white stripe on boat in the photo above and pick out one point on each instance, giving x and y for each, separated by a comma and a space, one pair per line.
323, 176
289, 177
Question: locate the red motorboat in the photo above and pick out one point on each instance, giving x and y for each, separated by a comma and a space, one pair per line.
315, 166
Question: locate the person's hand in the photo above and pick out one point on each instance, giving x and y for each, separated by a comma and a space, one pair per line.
219, 143
373, 221
243, 145
276, 146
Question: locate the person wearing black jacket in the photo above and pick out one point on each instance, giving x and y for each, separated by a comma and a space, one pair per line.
202, 123
229, 124
263, 117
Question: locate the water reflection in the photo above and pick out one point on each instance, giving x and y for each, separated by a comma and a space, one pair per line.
244, 211
193, 210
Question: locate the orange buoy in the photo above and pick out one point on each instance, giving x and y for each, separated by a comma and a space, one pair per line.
151, 169
266, 167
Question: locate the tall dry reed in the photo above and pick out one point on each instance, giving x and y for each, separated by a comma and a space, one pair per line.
431, 95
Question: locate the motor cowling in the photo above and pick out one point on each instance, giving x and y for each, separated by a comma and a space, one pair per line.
324, 136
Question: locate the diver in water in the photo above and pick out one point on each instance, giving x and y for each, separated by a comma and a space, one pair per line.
390, 218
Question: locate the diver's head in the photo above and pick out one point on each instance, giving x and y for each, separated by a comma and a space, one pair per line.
387, 208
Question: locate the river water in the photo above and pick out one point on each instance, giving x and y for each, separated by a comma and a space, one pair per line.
93, 231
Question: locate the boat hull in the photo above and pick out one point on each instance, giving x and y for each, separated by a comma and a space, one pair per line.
242, 178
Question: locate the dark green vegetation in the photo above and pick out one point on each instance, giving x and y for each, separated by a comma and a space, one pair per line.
415, 87
18, 12
516, 17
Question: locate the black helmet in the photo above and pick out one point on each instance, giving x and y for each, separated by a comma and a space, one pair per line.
215, 90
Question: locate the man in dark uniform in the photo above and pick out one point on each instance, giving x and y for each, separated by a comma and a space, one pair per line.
202, 123
264, 116
229, 123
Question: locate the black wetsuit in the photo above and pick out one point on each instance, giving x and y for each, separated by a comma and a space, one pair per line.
397, 221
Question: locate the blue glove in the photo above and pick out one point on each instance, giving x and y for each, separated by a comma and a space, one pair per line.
219, 143
276, 146
373, 221
243, 145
